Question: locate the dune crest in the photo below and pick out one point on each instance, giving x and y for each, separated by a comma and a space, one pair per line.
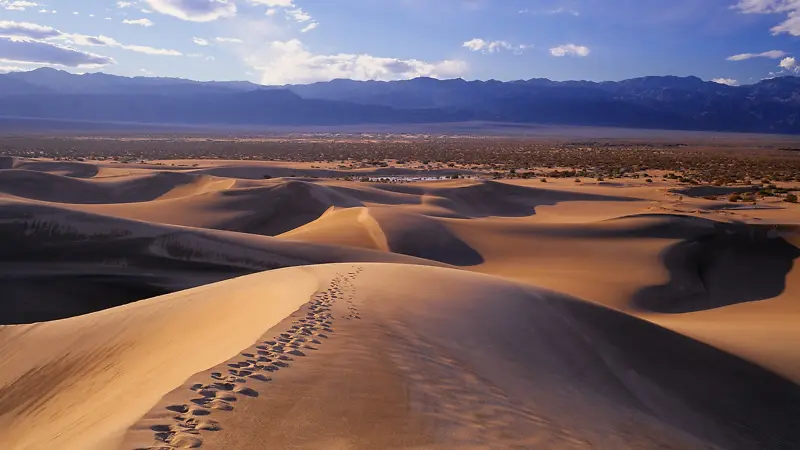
214, 304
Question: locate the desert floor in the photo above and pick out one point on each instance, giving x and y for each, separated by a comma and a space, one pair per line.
180, 304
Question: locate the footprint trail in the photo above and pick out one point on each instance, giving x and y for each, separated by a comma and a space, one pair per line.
211, 399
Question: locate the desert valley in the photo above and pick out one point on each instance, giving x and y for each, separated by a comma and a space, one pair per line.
399, 291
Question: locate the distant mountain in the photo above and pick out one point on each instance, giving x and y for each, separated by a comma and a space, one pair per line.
259, 107
684, 103
100, 83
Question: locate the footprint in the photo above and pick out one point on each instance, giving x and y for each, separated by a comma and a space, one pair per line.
178, 408
208, 425
271, 355
185, 440
260, 377
246, 391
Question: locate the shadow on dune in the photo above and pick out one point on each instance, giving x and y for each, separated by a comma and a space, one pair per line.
97, 262
492, 198
38, 299
734, 263
424, 237
64, 168
276, 209
694, 386
56, 188
703, 191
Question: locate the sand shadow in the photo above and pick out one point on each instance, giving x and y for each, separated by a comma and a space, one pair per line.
735, 263
694, 386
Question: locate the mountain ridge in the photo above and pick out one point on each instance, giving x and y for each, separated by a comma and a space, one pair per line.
663, 102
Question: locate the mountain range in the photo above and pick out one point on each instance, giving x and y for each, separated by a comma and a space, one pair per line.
665, 102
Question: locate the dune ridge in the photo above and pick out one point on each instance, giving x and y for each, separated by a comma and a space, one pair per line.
152, 306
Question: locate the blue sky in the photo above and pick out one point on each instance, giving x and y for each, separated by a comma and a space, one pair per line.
301, 41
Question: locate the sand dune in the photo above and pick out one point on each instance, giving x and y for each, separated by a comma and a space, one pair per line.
106, 261
202, 304
56, 188
63, 168
486, 362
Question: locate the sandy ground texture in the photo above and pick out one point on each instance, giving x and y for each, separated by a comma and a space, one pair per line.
204, 305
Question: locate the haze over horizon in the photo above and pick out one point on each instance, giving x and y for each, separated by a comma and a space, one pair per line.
277, 42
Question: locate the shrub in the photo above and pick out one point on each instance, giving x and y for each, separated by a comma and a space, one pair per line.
267, 177
543, 180
791, 198
649, 180
733, 198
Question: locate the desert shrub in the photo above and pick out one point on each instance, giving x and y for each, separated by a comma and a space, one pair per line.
649, 180
791, 198
543, 180
733, 198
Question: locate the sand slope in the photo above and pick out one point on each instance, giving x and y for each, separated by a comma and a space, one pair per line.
322, 313
485, 362
101, 261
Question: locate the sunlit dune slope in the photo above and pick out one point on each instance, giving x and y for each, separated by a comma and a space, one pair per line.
483, 361
439, 314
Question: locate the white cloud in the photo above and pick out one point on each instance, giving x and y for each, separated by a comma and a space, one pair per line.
7, 69
726, 81
101, 41
19, 31
789, 64
789, 26
28, 50
571, 12
274, 3
285, 62
766, 6
195, 10
550, 12
18, 5
228, 40
141, 22
122, 4
570, 50
791, 7
773, 54
481, 45
200, 41
27, 30
478, 44
298, 15
290, 10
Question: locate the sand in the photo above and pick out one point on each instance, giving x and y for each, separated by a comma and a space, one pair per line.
162, 306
